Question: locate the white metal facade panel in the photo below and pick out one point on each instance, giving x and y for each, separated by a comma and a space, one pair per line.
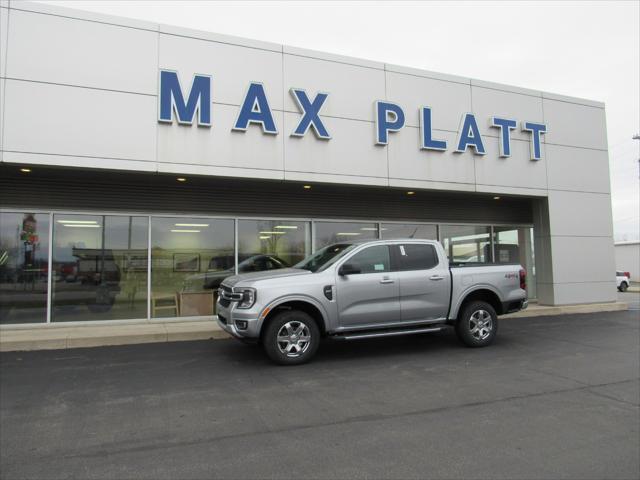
448, 100
220, 146
352, 89
580, 214
4, 33
407, 161
583, 260
79, 122
89, 163
518, 170
332, 57
578, 169
575, 125
83, 53
350, 152
579, 292
488, 102
219, 38
231, 67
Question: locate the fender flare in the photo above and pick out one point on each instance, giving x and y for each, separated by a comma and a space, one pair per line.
298, 298
453, 314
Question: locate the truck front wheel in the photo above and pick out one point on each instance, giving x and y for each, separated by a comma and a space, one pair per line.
292, 337
477, 324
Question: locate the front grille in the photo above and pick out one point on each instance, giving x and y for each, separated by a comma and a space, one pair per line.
227, 296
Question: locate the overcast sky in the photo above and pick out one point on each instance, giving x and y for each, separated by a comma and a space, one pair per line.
583, 49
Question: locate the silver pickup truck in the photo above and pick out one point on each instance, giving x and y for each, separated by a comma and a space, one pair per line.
355, 290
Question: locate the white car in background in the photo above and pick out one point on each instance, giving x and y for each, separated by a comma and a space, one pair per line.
622, 280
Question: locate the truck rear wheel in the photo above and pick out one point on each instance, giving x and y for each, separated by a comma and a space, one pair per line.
291, 338
477, 324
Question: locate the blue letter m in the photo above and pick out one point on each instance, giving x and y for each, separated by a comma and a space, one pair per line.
171, 98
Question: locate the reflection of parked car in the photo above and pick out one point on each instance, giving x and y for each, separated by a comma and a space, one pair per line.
223, 266
93, 279
622, 280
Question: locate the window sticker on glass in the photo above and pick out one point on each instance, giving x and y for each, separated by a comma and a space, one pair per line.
402, 252
379, 267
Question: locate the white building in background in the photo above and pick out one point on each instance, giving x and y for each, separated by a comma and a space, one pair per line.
141, 163
628, 258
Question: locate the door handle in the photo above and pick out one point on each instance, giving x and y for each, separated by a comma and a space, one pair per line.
436, 277
387, 280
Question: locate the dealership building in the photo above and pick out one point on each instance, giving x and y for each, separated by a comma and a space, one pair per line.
141, 164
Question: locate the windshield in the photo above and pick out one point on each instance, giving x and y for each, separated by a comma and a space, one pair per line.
324, 257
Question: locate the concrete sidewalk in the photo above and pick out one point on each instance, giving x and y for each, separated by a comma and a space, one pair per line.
61, 336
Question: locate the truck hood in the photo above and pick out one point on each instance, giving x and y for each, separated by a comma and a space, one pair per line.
266, 275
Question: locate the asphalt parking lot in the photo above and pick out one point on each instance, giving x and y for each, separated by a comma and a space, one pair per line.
554, 397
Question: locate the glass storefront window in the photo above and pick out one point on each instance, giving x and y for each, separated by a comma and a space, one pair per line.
515, 245
99, 267
189, 259
466, 243
327, 233
99, 262
407, 230
271, 244
24, 262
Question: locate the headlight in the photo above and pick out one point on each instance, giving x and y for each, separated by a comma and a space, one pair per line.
248, 297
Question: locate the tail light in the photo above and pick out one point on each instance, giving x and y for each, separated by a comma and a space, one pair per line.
627, 274
523, 279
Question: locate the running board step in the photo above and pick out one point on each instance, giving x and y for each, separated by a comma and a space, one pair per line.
387, 333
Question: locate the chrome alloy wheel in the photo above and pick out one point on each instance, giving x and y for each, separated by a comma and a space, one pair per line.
293, 339
480, 324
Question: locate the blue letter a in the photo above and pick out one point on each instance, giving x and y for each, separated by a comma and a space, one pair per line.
469, 135
255, 109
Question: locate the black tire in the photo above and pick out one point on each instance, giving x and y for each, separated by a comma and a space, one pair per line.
301, 351
472, 333
623, 286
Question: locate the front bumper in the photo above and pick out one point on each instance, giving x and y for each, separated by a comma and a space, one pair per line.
231, 320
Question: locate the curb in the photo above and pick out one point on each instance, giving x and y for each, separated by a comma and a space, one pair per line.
544, 310
55, 337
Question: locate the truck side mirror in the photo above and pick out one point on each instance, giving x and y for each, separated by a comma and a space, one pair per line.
348, 269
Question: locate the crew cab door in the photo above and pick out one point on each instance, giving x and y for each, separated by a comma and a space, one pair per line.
425, 282
367, 289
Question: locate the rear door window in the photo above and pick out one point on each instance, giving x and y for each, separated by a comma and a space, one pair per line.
415, 256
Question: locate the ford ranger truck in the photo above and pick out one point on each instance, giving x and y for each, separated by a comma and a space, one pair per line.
356, 290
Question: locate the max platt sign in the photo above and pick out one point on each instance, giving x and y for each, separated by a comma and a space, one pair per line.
388, 117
